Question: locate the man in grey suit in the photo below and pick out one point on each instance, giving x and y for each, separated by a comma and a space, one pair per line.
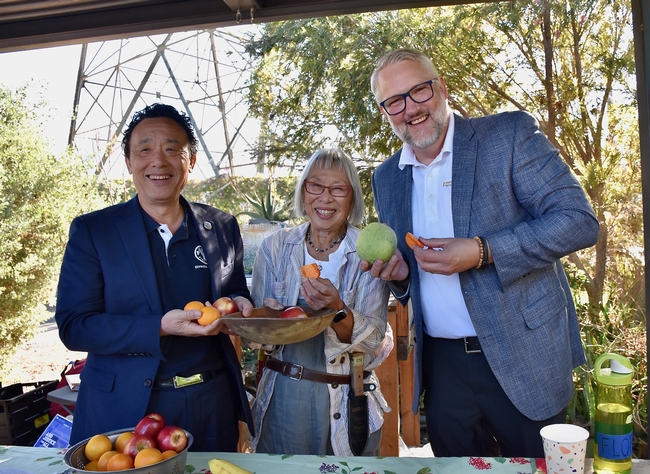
495, 207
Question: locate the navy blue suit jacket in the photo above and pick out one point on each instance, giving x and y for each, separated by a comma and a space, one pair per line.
108, 305
510, 186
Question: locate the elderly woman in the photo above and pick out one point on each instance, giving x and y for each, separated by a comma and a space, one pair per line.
310, 416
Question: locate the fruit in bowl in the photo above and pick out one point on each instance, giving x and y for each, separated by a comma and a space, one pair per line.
150, 425
293, 312
139, 450
171, 438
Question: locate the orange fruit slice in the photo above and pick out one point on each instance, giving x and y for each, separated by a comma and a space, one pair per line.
310, 271
412, 241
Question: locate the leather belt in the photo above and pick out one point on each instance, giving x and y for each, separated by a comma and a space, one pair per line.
470, 344
298, 372
180, 381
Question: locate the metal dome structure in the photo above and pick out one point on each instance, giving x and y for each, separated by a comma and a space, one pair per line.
202, 73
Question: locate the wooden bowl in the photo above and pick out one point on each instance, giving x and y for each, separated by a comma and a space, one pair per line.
265, 325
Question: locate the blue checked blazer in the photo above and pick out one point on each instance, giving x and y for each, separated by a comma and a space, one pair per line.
510, 186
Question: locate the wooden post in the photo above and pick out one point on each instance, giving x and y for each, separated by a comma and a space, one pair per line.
388, 376
410, 422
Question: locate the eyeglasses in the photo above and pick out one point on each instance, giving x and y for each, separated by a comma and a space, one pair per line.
420, 93
335, 191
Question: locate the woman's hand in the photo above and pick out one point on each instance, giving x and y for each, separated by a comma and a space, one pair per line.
273, 304
319, 293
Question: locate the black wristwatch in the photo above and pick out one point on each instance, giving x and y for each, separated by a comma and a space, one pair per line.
341, 314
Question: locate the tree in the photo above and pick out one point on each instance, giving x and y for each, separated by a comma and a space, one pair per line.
39, 196
570, 63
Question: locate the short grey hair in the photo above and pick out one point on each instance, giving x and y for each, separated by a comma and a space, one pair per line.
395, 56
332, 158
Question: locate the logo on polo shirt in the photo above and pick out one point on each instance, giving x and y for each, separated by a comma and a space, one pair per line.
200, 256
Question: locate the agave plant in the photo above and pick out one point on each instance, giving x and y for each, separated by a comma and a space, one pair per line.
266, 207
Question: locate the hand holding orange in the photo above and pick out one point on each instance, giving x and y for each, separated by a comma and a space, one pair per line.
210, 314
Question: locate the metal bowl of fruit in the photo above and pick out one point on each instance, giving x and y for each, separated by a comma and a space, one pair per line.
288, 326
76, 460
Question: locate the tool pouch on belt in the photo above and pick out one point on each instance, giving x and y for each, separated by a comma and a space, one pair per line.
357, 406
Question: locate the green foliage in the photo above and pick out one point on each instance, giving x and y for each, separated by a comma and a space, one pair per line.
266, 206
39, 196
225, 193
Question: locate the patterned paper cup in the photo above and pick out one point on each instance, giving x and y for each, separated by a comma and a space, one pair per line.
565, 447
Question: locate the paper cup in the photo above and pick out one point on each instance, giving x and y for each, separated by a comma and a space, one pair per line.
565, 447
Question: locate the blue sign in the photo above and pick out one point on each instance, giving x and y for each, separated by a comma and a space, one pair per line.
56, 435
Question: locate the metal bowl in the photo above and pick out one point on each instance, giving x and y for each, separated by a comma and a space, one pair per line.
75, 458
265, 325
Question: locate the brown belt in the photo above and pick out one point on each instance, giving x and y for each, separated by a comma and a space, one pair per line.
298, 372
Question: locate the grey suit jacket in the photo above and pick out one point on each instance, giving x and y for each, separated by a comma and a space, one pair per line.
510, 186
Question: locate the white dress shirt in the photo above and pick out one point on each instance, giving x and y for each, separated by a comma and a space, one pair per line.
444, 310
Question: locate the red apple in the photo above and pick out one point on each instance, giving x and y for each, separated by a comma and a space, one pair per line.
225, 305
293, 312
150, 425
137, 444
172, 438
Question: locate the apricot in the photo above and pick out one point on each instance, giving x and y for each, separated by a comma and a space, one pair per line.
208, 315
412, 240
310, 271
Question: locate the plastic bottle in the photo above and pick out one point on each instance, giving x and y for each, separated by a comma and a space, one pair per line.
613, 439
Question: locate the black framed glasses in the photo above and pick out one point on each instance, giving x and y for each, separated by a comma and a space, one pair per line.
335, 191
419, 93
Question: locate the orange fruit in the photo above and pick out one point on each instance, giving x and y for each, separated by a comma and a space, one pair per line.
193, 305
96, 446
147, 457
170, 453
122, 439
119, 462
208, 315
103, 460
91, 466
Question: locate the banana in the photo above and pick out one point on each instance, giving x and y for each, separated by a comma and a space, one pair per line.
221, 466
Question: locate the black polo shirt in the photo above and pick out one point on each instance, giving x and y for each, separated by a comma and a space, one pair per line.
183, 275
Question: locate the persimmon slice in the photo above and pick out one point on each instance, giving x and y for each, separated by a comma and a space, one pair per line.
310, 271
412, 240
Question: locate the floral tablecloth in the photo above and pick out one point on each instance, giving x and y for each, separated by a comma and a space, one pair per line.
20, 460
24, 460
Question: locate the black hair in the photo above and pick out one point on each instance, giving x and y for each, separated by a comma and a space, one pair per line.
155, 111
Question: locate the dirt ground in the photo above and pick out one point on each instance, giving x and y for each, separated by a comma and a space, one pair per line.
41, 359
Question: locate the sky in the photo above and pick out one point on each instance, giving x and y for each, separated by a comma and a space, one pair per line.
52, 71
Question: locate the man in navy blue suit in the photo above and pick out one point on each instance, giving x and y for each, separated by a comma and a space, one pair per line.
127, 273
496, 331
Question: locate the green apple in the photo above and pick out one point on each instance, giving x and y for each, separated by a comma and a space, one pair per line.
376, 241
